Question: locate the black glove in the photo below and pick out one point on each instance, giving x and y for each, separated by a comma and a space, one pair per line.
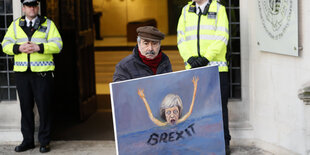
202, 61
198, 61
192, 61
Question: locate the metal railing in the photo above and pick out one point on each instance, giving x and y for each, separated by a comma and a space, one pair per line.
233, 48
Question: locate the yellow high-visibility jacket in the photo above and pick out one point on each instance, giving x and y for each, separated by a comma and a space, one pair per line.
206, 37
46, 34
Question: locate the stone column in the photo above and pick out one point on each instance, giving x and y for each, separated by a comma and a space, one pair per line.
304, 95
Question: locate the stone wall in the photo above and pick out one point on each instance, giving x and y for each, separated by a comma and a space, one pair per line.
277, 115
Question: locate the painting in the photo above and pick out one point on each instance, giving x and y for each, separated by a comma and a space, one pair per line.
173, 113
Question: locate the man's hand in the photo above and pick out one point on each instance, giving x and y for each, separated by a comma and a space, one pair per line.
192, 61
23, 48
198, 61
29, 47
202, 61
33, 47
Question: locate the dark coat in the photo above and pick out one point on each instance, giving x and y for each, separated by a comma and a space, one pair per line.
132, 67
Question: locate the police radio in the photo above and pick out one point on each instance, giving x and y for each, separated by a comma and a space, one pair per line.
22, 22
36, 23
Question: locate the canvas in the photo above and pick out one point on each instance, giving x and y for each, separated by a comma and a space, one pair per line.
174, 113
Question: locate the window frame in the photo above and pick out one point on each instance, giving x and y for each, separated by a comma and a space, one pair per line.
9, 86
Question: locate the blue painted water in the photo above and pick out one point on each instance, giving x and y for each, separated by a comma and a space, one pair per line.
205, 137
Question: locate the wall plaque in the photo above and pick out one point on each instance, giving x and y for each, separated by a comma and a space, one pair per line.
277, 24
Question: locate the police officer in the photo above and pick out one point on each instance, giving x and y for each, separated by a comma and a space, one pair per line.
202, 40
33, 39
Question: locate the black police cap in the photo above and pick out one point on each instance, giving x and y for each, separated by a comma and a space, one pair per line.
30, 2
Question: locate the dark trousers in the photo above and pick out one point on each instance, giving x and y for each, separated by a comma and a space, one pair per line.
35, 88
224, 83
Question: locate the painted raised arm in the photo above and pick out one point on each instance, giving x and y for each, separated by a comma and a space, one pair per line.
149, 111
195, 81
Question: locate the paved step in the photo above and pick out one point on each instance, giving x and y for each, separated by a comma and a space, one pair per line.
105, 148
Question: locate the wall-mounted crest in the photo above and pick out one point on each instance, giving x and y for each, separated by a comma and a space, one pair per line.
275, 16
277, 23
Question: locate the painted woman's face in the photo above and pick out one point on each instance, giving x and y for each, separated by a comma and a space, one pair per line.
172, 114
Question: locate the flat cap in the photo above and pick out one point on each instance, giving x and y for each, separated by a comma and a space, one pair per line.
30, 2
150, 33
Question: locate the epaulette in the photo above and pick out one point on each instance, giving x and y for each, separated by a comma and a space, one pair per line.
222, 2
192, 7
42, 19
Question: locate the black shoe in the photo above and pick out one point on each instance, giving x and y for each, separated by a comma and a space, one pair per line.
23, 147
45, 148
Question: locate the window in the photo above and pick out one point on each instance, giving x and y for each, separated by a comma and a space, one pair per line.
7, 83
233, 48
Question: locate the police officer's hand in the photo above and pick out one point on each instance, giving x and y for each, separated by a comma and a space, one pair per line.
198, 61
193, 62
202, 61
23, 48
33, 47
26, 48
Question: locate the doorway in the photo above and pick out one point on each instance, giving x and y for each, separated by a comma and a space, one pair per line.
116, 14
75, 110
82, 111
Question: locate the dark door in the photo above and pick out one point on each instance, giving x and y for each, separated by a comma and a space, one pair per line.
174, 12
85, 57
75, 95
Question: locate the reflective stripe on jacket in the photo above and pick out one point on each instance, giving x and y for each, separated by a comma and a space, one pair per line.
46, 34
213, 35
